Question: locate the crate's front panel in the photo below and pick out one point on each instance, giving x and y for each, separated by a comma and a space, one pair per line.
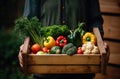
63, 69
45, 64
64, 59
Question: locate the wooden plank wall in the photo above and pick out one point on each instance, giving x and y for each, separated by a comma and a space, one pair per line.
111, 15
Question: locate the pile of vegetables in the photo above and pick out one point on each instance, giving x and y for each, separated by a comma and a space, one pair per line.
56, 39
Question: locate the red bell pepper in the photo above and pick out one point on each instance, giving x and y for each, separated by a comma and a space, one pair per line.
61, 41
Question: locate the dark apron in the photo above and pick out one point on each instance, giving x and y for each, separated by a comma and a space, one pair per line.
68, 12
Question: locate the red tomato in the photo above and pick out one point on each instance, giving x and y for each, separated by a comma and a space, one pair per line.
35, 48
79, 51
45, 49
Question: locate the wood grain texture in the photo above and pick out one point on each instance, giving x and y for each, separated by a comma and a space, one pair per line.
111, 27
110, 6
115, 52
44, 69
60, 59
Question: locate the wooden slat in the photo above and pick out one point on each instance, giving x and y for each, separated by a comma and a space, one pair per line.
102, 50
25, 52
112, 73
26, 45
63, 69
64, 59
110, 6
114, 52
111, 27
99, 40
114, 46
114, 59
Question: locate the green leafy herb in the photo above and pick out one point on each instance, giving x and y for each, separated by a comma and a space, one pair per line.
55, 30
29, 27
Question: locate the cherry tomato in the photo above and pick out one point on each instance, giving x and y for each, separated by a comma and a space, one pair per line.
79, 51
45, 49
35, 48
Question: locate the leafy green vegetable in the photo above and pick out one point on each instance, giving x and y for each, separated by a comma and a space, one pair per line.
29, 28
75, 36
55, 31
33, 28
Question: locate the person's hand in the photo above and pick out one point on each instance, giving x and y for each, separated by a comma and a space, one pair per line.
20, 56
107, 51
106, 46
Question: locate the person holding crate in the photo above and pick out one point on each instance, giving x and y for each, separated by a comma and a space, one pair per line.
64, 12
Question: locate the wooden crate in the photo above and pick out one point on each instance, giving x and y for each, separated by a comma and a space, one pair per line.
64, 64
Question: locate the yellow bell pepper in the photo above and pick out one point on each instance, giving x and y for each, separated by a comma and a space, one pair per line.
49, 42
89, 37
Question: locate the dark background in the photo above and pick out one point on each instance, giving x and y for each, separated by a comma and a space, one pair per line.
10, 10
